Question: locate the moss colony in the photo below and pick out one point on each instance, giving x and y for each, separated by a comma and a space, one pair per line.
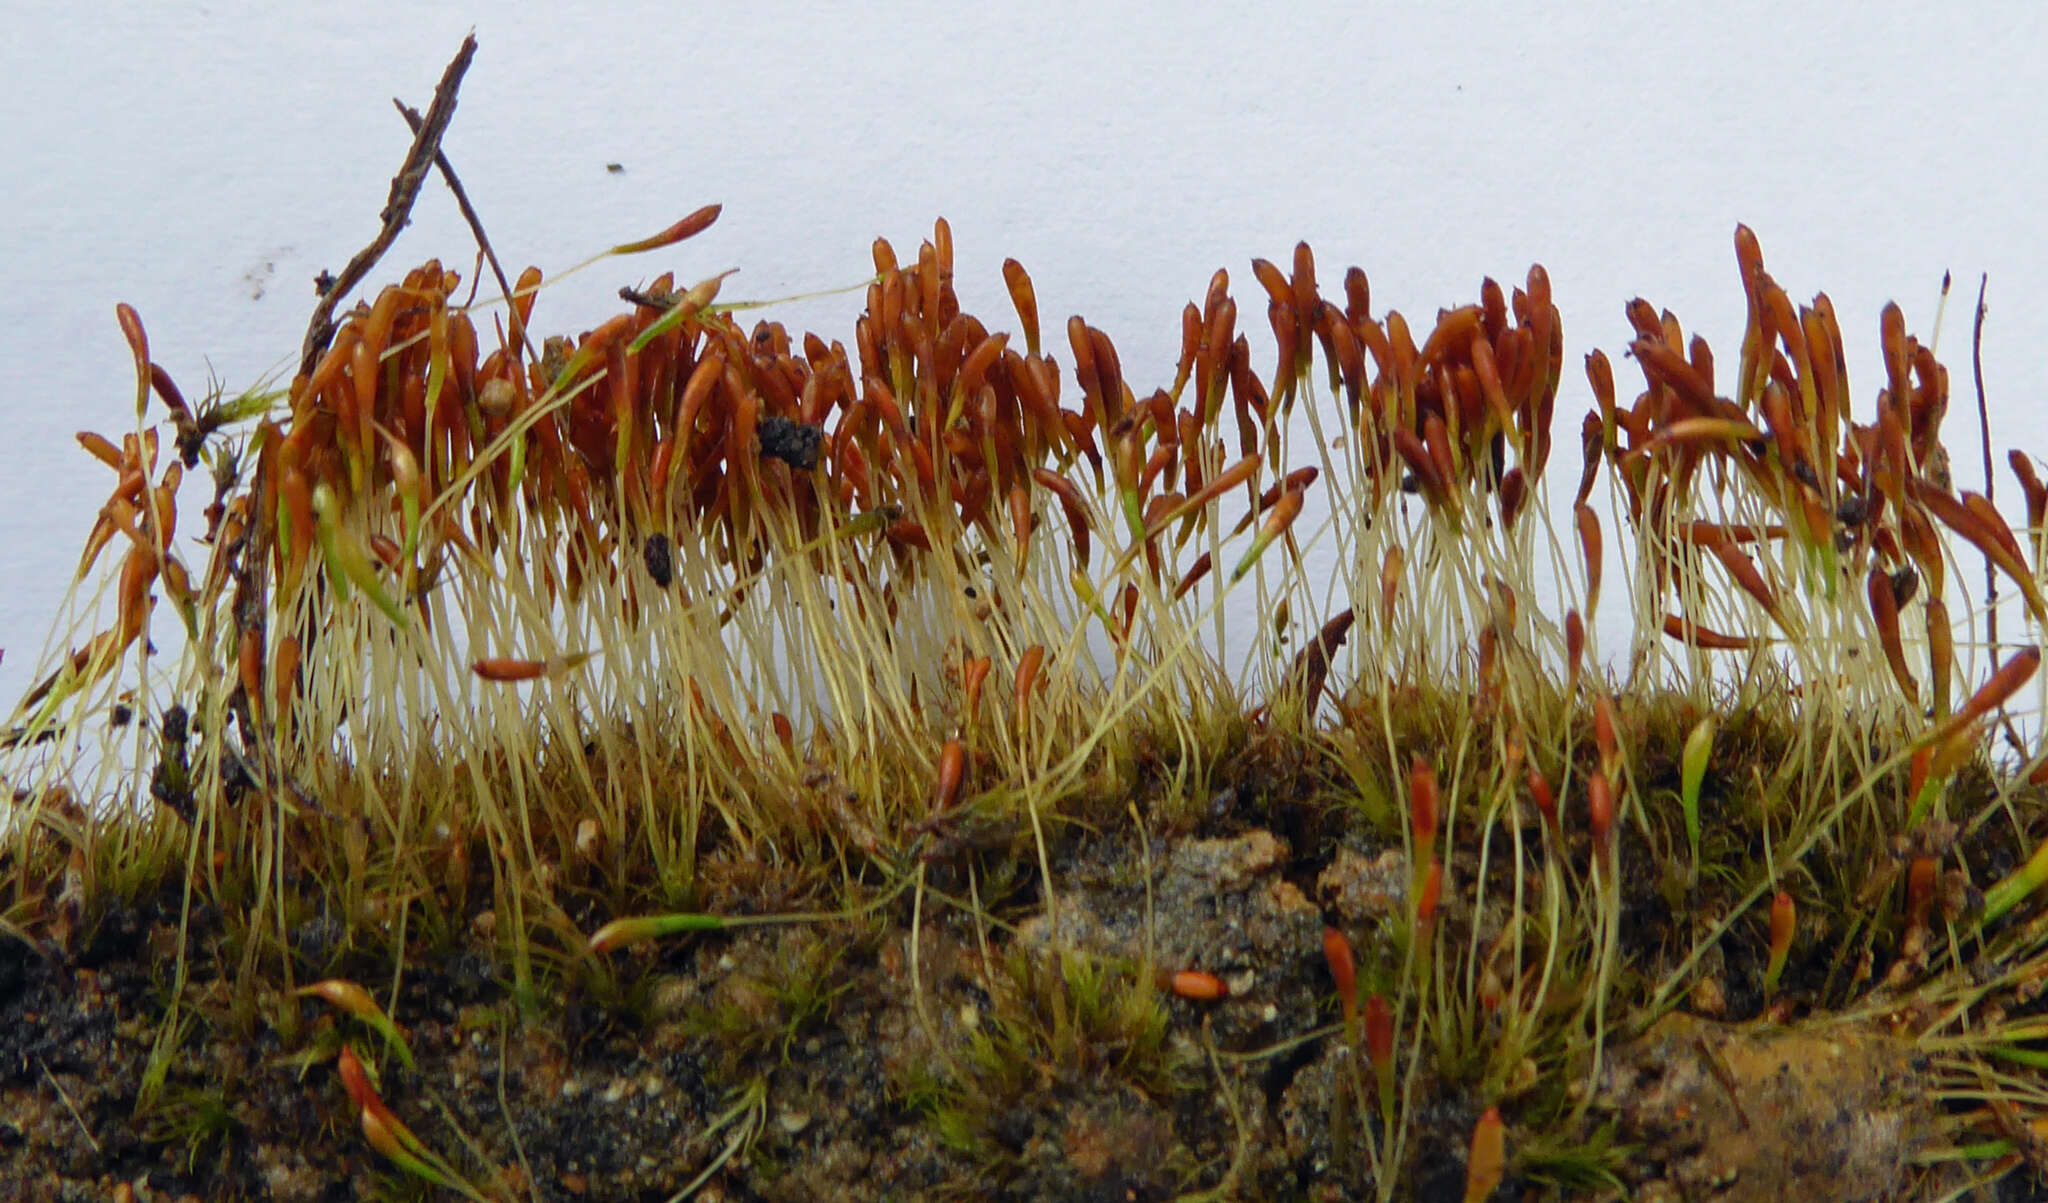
694, 757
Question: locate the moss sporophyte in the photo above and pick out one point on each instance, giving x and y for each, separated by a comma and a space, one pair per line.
639, 669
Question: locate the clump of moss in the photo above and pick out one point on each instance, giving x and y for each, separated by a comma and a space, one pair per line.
496, 643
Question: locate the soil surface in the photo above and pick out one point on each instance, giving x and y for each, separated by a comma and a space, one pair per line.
1012, 1050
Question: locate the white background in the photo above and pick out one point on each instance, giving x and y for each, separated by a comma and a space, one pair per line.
204, 162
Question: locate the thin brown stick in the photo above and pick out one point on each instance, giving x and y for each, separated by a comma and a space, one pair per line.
249, 558
70, 1106
476, 225
405, 189
2012, 736
1984, 434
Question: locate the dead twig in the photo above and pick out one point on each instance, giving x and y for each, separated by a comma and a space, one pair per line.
250, 556
71, 1107
511, 1128
405, 189
476, 225
1984, 432
2012, 735
1721, 1074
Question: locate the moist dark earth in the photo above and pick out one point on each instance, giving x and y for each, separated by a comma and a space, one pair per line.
1017, 1048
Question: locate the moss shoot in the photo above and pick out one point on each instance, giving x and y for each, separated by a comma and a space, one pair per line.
693, 756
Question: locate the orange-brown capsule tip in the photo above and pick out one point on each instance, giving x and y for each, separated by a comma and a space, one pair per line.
131, 329
1379, 1030
1920, 880
102, 449
1028, 666
1590, 547
502, 669
1600, 809
1486, 1162
1783, 920
250, 662
1603, 729
2005, 681
951, 776
689, 227
1540, 793
1916, 773
1432, 890
1423, 804
1343, 970
1197, 985
972, 674
354, 1080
